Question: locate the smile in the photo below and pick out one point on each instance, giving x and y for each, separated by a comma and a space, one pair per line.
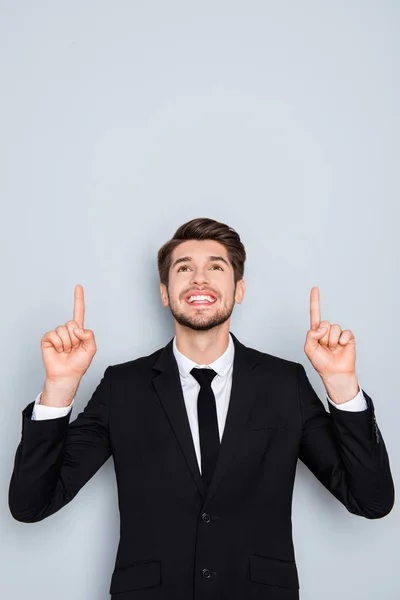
200, 300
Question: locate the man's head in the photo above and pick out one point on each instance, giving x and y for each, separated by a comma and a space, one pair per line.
204, 257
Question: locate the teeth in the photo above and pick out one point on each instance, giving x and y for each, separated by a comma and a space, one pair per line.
192, 298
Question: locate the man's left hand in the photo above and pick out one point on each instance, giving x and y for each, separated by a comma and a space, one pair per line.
332, 353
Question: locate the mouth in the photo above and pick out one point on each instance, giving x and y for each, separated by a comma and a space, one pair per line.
200, 299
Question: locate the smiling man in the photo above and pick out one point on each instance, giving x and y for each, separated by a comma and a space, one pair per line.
200, 283
201, 297
205, 434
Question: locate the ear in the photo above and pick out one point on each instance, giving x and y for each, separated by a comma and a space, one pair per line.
164, 294
240, 290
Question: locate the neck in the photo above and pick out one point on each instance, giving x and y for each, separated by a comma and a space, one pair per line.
203, 347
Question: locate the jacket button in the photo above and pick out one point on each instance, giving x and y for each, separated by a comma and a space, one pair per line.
206, 517
206, 573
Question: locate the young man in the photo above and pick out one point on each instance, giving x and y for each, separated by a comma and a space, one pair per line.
205, 435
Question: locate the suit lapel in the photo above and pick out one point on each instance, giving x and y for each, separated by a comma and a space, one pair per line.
242, 396
168, 387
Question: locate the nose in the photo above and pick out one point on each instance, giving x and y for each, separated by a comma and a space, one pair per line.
199, 278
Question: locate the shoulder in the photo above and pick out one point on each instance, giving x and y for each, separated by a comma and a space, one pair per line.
270, 358
278, 364
141, 364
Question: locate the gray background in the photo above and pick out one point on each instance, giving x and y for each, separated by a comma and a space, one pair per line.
120, 121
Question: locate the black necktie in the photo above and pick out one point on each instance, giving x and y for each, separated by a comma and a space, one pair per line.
208, 424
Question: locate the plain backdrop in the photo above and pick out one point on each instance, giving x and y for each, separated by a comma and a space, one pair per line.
121, 120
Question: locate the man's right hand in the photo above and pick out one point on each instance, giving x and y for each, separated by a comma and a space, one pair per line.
67, 353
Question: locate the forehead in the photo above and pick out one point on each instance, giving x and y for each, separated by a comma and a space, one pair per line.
199, 250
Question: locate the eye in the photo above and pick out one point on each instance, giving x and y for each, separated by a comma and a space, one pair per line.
185, 267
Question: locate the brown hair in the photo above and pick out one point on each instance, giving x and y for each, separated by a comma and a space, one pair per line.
203, 229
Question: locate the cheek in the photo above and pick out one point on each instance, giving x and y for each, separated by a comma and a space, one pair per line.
174, 294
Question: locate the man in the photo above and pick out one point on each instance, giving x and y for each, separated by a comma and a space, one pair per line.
205, 435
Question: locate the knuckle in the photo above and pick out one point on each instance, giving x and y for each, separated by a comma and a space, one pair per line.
54, 339
71, 325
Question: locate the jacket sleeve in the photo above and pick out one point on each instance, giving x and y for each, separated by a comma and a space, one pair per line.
55, 458
346, 453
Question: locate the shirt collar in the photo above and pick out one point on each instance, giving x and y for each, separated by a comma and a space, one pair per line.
221, 365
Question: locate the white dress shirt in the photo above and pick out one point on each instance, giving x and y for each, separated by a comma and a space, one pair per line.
221, 386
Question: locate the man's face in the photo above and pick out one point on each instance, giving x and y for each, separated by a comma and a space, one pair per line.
201, 268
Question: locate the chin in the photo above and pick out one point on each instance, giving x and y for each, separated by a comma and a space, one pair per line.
201, 322
203, 326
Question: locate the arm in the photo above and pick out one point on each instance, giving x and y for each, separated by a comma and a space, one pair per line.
346, 453
41, 411
355, 404
55, 459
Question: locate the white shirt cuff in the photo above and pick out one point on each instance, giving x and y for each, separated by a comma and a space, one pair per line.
41, 412
356, 404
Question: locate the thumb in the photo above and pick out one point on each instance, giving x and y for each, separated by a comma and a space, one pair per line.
314, 335
85, 335
82, 334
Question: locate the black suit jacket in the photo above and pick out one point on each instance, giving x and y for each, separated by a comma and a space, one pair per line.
176, 542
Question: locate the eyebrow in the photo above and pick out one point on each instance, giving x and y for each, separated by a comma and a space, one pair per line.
189, 259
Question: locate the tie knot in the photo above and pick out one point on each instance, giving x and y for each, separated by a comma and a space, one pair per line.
203, 376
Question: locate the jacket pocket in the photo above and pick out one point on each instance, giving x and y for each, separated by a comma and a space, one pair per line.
273, 571
138, 575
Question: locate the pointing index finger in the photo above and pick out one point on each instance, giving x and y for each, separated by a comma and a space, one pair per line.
79, 306
315, 310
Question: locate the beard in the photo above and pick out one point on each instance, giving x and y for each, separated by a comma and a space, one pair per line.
202, 320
